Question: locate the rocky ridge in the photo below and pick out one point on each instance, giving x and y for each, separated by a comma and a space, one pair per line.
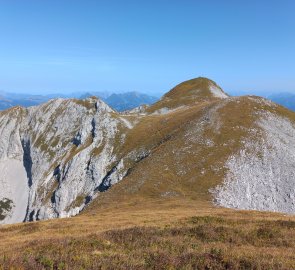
60, 156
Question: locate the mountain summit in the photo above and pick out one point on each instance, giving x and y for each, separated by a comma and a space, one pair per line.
198, 88
190, 92
196, 144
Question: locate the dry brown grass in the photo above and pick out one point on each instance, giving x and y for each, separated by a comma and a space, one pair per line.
186, 93
149, 234
180, 162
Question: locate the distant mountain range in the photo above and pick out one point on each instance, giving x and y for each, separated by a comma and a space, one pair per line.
128, 101
285, 99
119, 102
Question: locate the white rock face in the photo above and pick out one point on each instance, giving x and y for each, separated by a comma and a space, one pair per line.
166, 110
262, 175
13, 182
55, 157
217, 92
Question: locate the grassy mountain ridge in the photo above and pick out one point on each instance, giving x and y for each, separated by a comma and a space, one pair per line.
184, 174
180, 157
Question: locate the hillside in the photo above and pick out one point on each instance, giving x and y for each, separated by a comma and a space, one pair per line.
171, 234
196, 142
170, 172
236, 152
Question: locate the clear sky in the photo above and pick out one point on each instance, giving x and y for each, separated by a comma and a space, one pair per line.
148, 46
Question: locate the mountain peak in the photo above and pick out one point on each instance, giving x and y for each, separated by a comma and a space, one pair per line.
190, 92
198, 88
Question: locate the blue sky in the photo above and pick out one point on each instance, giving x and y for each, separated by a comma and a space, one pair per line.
147, 46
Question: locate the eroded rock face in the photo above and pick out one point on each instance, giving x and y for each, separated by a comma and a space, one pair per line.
13, 179
14, 191
261, 176
53, 157
57, 157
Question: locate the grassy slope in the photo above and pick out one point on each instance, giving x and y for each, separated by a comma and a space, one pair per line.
161, 216
174, 234
188, 149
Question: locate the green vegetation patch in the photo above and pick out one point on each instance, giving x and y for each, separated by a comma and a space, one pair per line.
5, 207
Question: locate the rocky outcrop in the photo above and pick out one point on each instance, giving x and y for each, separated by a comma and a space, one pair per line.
58, 157
54, 157
261, 176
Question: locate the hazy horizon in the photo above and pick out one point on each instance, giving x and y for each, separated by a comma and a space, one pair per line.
148, 47
232, 92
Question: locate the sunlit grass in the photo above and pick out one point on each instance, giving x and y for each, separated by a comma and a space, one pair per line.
170, 234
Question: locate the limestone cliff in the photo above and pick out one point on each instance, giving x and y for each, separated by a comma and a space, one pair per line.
198, 142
